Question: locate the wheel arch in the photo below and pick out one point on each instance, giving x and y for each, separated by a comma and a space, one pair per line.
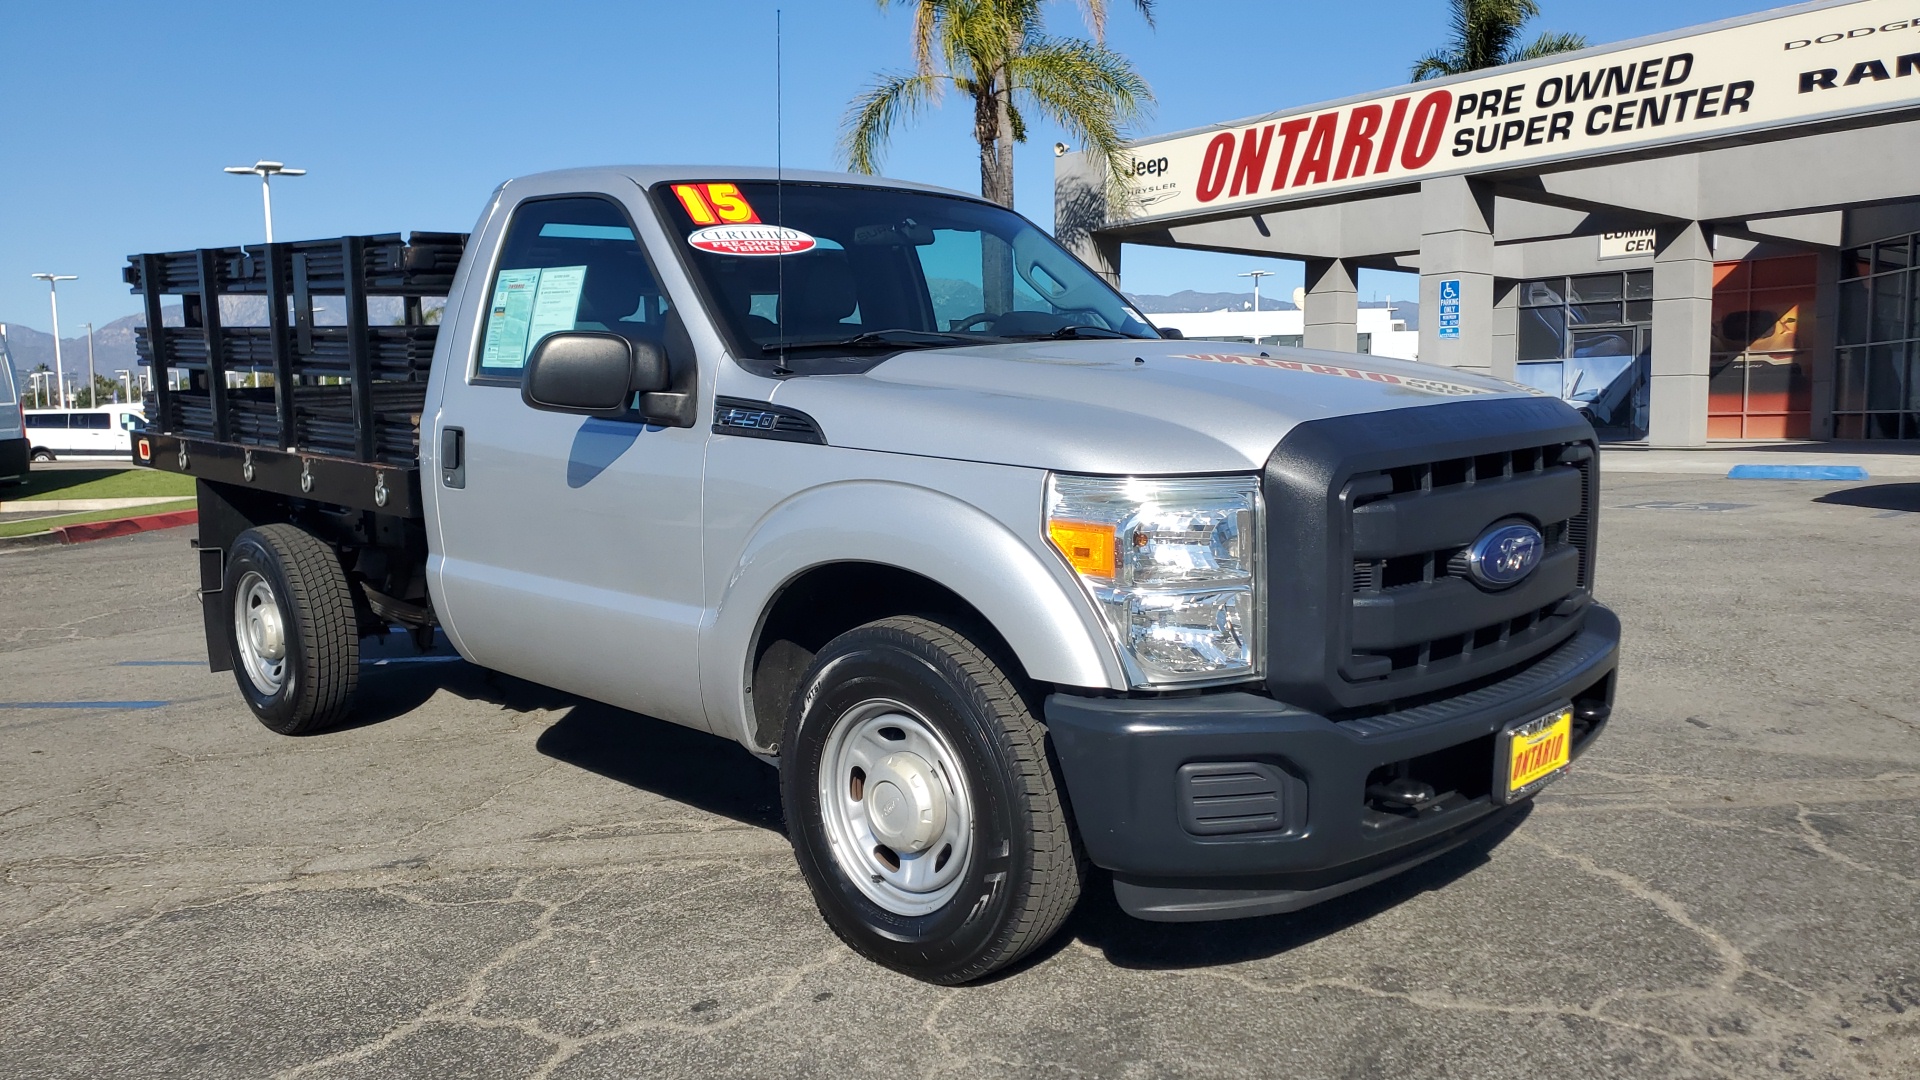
834, 558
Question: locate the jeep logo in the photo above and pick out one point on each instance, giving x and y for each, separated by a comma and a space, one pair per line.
1152, 167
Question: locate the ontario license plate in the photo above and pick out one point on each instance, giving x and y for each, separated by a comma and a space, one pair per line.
1533, 753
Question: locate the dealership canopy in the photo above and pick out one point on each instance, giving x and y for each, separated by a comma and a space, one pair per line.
1785, 134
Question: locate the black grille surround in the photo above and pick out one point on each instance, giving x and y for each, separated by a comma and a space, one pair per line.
1366, 516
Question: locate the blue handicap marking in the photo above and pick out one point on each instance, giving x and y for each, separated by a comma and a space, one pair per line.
1450, 289
1797, 472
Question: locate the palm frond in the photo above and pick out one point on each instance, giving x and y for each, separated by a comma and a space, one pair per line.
1437, 64
892, 100
1548, 44
1092, 92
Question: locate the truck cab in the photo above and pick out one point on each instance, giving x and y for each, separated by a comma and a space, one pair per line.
880, 482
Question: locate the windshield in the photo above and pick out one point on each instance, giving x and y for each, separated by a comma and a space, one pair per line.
814, 267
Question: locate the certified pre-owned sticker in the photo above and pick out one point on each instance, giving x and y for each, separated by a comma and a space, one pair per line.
751, 240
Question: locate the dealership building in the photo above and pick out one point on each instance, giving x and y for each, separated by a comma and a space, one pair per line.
1706, 235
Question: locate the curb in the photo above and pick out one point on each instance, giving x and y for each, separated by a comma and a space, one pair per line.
102, 530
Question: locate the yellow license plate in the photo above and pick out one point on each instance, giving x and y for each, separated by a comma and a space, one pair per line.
1538, 749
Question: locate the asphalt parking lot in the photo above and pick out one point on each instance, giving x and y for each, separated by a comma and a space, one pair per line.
489, 879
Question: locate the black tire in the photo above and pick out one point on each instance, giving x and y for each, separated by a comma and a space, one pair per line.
44, 455
320, 668
1024, 872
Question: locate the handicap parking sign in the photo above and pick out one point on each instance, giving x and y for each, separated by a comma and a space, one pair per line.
1450, 308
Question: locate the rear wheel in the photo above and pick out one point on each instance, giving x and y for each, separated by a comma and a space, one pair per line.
292, 629
42, 454
921, 805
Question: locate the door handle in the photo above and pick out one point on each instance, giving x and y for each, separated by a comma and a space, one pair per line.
453, 457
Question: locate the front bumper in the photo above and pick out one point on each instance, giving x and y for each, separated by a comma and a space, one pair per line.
1222, 806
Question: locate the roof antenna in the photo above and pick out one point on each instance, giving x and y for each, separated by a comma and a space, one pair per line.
779, 208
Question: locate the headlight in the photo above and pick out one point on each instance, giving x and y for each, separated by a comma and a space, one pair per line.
1174, 567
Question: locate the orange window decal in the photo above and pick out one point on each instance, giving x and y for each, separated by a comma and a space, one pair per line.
716, 204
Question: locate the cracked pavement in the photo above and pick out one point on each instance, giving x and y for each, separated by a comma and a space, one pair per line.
491, 879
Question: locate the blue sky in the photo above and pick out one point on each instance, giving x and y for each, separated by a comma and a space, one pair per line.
117, 117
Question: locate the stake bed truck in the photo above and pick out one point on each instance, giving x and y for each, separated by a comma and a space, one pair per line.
880, 482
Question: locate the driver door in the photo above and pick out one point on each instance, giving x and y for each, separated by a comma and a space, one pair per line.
570, 545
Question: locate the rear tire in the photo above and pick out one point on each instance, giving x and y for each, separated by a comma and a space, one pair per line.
292, 629
921, 805
44, 455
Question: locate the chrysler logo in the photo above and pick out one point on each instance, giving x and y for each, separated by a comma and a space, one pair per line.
1504, 555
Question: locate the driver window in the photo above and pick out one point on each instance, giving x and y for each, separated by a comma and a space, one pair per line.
567, 264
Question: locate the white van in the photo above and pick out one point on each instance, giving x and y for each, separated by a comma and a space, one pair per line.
100, 432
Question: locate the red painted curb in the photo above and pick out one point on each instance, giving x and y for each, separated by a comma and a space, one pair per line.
101, 530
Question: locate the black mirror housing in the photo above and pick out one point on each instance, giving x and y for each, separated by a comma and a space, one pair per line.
1172, 332
589, 373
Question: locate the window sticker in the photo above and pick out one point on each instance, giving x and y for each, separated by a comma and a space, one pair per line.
527, 306
506, 344
751, 240
715, 204
557, 304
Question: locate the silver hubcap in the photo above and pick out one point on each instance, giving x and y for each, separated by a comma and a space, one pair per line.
896, 808
260, 629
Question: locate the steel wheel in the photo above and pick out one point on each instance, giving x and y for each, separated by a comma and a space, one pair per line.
260, 630
895, 804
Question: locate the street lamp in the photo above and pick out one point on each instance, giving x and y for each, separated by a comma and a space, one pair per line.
265, 170
126, 380
1256, 275
53, 298
92, 392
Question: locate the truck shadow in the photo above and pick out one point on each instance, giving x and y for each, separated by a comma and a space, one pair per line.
1877, 497
691, 767
1128, 942
718, 776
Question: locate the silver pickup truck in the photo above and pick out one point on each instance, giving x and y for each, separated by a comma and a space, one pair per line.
879, 481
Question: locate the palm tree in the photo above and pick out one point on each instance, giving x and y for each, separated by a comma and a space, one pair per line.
1484, 36
998, 53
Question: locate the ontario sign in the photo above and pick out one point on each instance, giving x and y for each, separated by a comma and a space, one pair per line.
1801, 66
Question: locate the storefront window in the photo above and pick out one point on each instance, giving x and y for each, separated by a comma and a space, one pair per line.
1876, 392
1760, 383
1587, 340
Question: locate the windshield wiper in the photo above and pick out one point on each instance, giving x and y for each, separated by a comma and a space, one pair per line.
879, 339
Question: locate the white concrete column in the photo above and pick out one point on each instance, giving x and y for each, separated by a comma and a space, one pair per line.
1080, 210
1506, 326
1822, 347
1456, 245
1332, 306
1682, 335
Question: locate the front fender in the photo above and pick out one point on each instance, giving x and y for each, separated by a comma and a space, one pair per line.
1030, 599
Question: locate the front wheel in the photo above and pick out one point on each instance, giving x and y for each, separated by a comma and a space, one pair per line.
43, 455
922, 809
292, 629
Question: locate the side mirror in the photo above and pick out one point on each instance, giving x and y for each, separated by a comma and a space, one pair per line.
589, 373
1172, 332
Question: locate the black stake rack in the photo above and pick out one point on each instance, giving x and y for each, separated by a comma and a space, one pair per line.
341, 422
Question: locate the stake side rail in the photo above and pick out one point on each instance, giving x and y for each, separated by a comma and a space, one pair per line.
295, 367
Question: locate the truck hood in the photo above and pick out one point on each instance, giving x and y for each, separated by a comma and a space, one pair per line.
1112, 406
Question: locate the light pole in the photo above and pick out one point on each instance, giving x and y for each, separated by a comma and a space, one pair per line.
126, 380
1256, 275
92, 393
53, 299
265, 170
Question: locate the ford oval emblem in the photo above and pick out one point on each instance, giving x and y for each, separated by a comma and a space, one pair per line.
1505, 554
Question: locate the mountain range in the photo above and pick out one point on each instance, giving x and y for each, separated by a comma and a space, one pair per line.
1188, 300
113, 345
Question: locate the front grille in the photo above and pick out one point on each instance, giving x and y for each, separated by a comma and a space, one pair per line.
1368, 519
1422, 561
